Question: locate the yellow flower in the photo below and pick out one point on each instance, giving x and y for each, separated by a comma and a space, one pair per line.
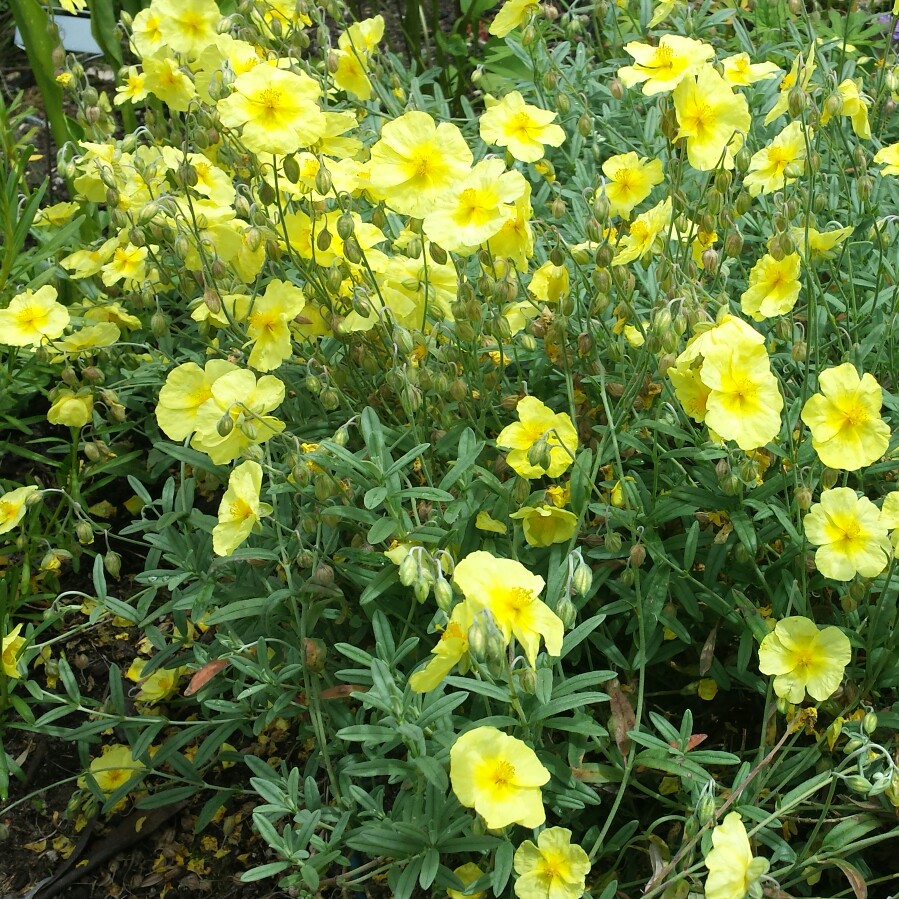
804, 659
631, 179
114, 767
523, 128
268, 324
415, 289
545, 525
515, 240
644, 231
744, 402
550, 283
710, 115
537, 423
32, 317
185, 390
691, 393
451, 649
844, 418
13, 505
164, 78
187, 26
212, 182
236, 416
512, 14
146, 32
780, 163
155, 687
662, 68
467, 873
277, 110
363, 37
85, 340
800, 73
351, 74
132, 88
732, 869
773, 287
849, 533
740, 71
415, 162
499, 777
551, 869
477, 208
128, 263
70, 408
73, 6
11, 648
111, 312
240, 509
854, 106
888, 157
507, 590
820, 244
86, 263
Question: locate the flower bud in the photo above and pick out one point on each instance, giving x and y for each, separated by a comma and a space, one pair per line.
710, 260
585, 125
159, 324
567, 612
323, 239
330, 399
833, 105
408, 572
527, 680
859, 784
323, 181
563, 104
613, 542
705, 808
733, 245
225, 425
443, 594
863, 188
345, 226
869, 723
616, 88
477, 640
85, 533
495, 649
112, 562
796, 101
637, 555
803, 498
539, 454
829, 477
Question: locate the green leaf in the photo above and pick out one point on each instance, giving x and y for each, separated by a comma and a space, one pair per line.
34, 26
408, 878
429, 865
104, 28
581, 632
502, 867
271, 869
565, 704
382, 529
690, 546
